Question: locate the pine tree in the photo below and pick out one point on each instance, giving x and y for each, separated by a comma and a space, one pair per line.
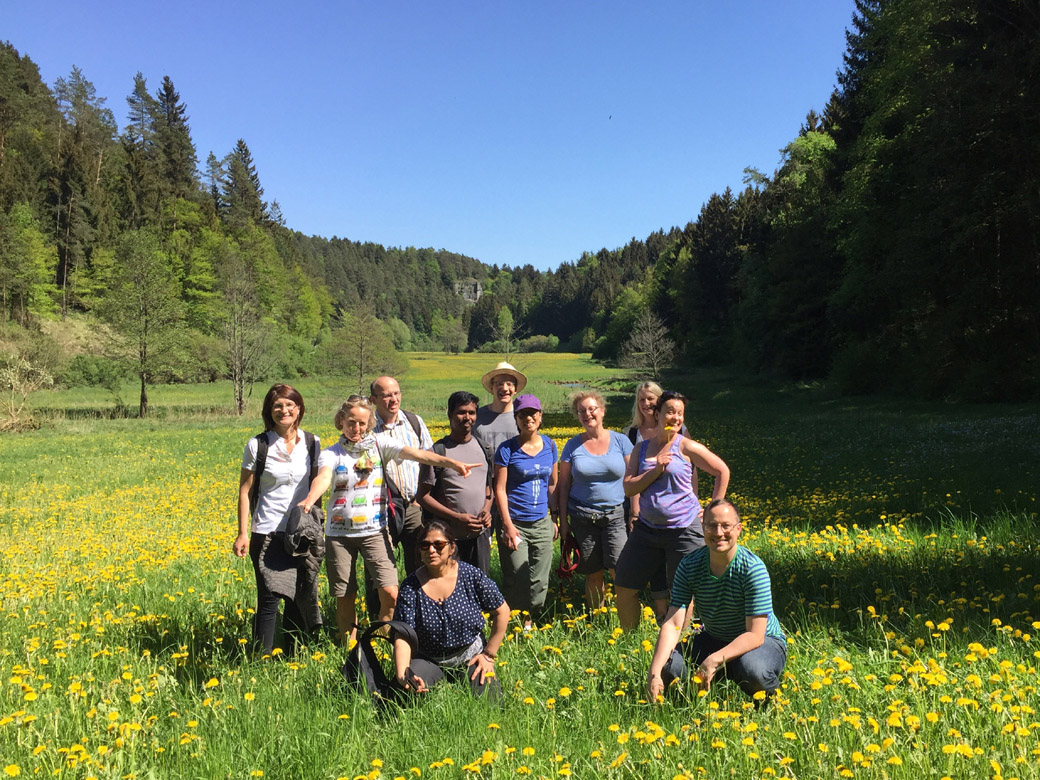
142, 175
178, 161
243, 193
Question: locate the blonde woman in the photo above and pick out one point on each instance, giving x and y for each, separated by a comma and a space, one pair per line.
356, 521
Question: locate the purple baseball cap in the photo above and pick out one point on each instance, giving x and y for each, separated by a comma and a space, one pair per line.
526, 401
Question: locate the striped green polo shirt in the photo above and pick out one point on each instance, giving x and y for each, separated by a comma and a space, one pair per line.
723, 603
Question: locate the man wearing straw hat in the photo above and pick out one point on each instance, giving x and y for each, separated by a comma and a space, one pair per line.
495, 423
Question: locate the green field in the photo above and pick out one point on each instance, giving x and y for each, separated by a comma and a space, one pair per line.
902, 539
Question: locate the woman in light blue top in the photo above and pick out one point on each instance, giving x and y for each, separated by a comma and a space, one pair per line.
592, 495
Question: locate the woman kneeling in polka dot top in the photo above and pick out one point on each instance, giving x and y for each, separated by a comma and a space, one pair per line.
445, 600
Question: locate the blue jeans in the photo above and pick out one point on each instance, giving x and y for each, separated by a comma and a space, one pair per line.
756, 670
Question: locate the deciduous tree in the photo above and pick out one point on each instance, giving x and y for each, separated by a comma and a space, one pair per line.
144, 308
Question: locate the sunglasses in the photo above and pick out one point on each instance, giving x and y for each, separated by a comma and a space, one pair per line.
437, 545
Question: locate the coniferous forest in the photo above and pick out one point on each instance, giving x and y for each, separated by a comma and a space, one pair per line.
895, 247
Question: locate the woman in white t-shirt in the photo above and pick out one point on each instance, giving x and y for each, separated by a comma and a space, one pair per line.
356, 521
286, 464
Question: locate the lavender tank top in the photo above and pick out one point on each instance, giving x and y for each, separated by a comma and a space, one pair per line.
669, 502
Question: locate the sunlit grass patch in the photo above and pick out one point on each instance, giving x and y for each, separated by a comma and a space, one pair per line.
908, 585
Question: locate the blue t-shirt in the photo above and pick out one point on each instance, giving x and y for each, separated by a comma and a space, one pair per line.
597, 480
527, 478
445, 626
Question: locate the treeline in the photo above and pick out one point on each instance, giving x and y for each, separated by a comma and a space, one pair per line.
895, 246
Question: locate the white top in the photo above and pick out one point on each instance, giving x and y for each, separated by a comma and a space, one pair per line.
283, 484
357, 504
405, 474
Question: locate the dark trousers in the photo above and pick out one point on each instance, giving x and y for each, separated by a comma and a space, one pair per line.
476, 551
432, 673
265, 618
756, 670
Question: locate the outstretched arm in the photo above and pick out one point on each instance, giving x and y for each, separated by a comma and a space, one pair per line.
433, 459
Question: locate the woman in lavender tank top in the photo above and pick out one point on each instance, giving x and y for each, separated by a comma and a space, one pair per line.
661, 472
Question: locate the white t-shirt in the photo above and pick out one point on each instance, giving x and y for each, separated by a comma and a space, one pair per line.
284, 482
357, 504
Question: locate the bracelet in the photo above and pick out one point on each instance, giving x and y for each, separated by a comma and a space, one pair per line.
488, 656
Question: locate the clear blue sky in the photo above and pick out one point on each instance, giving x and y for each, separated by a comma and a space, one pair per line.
514, 132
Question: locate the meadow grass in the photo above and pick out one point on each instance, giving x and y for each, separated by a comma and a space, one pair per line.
901, 539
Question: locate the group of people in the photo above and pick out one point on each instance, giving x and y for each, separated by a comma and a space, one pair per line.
628, 503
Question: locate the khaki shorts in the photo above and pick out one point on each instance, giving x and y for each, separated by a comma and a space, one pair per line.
341, 558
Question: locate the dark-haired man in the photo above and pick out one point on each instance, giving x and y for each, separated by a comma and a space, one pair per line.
464, 503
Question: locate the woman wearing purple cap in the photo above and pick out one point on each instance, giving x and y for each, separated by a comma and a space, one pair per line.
525, 492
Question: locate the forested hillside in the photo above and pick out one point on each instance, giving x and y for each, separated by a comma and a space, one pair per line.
894, 247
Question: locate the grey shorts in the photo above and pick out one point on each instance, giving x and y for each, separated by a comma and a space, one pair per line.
601, 536
649, 548
341, 558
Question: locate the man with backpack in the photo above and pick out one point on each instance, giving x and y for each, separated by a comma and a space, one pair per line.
402, 477
465, 504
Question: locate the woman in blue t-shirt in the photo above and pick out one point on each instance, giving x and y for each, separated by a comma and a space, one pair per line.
592, 495
525, 493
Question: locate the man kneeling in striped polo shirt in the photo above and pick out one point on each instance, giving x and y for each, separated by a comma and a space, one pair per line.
727, 587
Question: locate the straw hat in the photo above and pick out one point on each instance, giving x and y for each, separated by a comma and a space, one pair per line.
499, 370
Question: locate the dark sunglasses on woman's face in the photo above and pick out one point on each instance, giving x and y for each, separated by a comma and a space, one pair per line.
437, 545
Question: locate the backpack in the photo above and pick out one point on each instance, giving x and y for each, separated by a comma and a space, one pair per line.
261, 461
363, 666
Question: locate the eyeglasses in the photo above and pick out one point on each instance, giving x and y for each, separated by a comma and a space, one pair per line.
438, 545
720, 528
588, 412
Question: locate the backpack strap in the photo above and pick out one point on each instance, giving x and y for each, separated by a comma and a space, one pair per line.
314, 452
632, 432
413, 420
258, 471
398, 630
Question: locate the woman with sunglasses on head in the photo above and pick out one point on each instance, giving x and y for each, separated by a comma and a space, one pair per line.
277, 469
445, 601
356, 521
669, 526
591, 493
